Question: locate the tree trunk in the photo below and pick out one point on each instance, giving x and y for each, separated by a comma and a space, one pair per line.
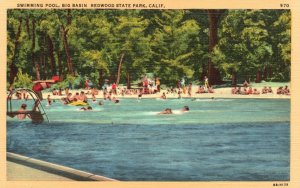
28, 28
233, 79
112, 77
101, 78
37, 71
34, 62
51, 56
13, 68
60, 71
46, 69
270, 72
69, 17
119, 69
67, 50
258, 77
214, 75
128, 80
40, 66
265, 73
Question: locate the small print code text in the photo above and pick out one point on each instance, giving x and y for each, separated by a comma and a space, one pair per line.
280, 184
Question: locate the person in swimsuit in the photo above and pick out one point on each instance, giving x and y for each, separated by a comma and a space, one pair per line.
101, 103
68, 99
89, 108
22, 115
166, 111
34, 115
93, 97
163, 96
206, 83
190, 89
185, 109
49, 100
115, 100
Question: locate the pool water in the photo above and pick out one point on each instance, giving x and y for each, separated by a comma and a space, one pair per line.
217, 140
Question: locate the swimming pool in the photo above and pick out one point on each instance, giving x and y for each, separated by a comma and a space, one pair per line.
218, 140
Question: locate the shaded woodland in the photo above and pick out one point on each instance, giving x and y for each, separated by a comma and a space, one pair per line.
124, 45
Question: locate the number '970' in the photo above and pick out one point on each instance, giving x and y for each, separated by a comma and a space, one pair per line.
284, 5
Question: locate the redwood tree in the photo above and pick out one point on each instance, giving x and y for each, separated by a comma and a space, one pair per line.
51, 55
214, 15
13, 67
64, 31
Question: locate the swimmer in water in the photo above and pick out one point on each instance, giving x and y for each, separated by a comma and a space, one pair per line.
86, 109
93, 97
139, 96
185, 109
115, 100
34, 114
166, 111
163, 96
22, 110
101, 103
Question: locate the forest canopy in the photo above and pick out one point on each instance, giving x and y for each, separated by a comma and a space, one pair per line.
124, 45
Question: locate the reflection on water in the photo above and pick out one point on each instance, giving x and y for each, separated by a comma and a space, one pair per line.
224, 139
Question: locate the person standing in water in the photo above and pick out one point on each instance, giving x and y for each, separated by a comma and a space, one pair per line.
163, 96
49, 100
34, 115
93, 97
22, 115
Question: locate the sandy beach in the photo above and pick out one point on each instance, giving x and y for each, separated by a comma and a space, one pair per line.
218, 93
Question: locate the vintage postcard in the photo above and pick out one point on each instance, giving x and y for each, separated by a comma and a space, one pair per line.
150, 93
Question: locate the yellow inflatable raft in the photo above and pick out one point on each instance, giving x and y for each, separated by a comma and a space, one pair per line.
78, 103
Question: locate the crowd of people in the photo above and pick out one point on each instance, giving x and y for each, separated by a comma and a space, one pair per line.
22, 94
245, 91
248, 90
283, 90
110, 92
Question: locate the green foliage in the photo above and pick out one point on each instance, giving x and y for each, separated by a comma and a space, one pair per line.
23, 80
62, 85
283, 25
71, 78
247, 46
171, 44
130, 40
